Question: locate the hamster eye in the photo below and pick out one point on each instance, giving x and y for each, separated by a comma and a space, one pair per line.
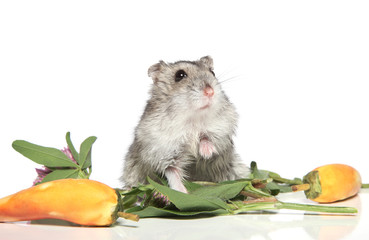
180, 74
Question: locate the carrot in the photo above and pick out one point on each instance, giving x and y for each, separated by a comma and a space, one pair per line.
331, 183
81, 201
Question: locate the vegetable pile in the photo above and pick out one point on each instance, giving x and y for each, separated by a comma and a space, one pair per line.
63, 191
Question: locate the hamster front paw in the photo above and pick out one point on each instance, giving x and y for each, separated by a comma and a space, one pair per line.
206, 148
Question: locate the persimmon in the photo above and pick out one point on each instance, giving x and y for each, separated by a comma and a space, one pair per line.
332, 182
81, 201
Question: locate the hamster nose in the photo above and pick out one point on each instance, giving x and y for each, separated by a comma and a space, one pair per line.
208, 91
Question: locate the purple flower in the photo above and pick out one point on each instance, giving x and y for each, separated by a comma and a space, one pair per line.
68, 153
160, 200
43, 171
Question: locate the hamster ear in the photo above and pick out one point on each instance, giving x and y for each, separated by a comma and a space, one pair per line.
208, 61
155, 70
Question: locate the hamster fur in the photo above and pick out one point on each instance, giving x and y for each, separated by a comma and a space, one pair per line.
186, 129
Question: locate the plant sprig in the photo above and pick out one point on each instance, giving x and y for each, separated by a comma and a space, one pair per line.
257, 193
78, 165
226, 198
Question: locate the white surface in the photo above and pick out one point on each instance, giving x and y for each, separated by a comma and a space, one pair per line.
284, 224
298, 69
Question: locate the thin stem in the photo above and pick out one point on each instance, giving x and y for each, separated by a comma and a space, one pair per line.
263, 199
82, 174
315, 208
300, 187
203, 183
280, 179
259, 183
247, 207
253, 194
128, 216
250, 191
239, 207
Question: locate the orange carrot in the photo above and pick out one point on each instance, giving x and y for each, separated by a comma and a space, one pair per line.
81, 201
332, 182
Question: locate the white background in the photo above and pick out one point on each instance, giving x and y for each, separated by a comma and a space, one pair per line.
299, 75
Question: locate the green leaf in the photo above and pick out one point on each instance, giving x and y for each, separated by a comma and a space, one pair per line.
254, 192
223, 191
60, 174
137, 190
279, 179
71, 147
263, 174
161, 212
85, 152
191, 186
273, 188
129, 201
278, 188
49, 157
256, 173
189, 202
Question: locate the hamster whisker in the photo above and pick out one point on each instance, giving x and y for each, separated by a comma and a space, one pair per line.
194, 90
224, 73
227, 80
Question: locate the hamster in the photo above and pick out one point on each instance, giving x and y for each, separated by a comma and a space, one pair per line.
186, 130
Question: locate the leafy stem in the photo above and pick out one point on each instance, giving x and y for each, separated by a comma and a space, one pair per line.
271, 204
59, 164
226, 198
279, 179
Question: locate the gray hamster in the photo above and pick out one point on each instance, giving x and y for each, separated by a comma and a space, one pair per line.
186, 130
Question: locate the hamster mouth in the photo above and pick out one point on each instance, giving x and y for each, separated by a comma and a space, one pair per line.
206, 102
206, 105
208, 96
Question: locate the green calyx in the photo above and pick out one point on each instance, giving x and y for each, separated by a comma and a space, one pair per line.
118, 207
315, 190
119, 210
